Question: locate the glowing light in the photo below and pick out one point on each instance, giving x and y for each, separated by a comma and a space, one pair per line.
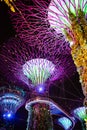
38, 70
80, 113
10, 101
36, 64
65, 123
40, 88
70, 19
8, 115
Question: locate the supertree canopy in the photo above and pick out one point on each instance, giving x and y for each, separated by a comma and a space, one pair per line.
80, 113
70, 17
30, 21
65, 122
31, 24
11, 99
63, 14
35, 64
38, 70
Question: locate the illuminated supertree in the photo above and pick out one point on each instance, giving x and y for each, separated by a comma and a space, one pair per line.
11, 99
37, 65
80, 114
37, 60
70, 18
65, 122
43, 109
30, 21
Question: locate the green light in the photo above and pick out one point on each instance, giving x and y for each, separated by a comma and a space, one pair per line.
65, 122
38, 70
80, 113
62, 12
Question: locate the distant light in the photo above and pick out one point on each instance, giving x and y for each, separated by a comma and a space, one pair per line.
71, 43
65, 122
80, 113
40, 88
8, 116
4, 115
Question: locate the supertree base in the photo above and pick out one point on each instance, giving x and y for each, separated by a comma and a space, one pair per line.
39, 117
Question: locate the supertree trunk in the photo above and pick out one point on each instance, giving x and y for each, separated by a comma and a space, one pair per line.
39, 117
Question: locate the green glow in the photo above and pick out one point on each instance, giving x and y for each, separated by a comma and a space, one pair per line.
65, 122
80, 113
38, 76
38, 70
75, 5
85, 9
62, 13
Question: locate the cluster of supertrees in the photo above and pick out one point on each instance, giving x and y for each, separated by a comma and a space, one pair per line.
48, 33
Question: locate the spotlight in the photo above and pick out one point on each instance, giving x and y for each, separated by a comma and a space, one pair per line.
40, 88
8, 116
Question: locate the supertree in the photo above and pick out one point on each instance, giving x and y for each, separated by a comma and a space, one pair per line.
37, 65
38, 60
41, 104
30, 21
65, 122
11, 99
80, 114
69, 17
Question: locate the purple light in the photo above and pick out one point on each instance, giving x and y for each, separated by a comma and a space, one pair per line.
41, 88
19, 53
37, 41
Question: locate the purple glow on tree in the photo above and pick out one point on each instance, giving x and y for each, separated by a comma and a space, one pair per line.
43, 108
27, 20
31, 22
15, 54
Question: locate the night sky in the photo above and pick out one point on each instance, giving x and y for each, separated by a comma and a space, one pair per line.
67, 94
